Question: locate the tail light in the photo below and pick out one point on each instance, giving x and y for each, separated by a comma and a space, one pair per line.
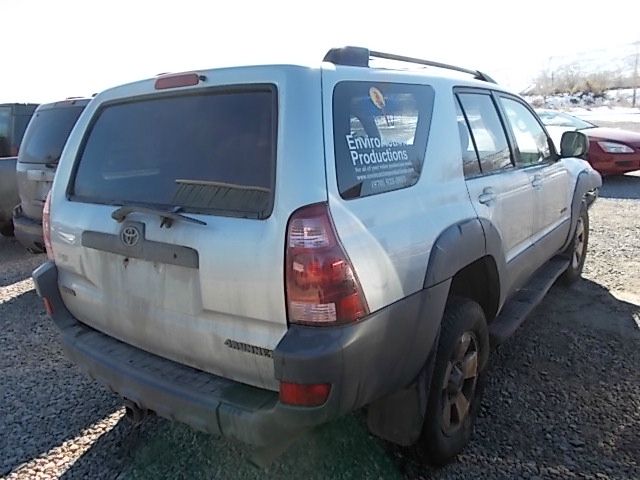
46, 226
48, 306
322, 288
310, 395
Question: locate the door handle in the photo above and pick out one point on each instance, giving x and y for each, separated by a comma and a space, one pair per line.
487, 196
537, 181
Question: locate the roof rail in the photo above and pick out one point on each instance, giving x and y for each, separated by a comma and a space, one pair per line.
359, 57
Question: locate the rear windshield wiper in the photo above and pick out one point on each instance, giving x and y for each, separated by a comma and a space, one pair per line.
168, 217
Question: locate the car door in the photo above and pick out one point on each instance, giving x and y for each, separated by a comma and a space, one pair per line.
549, 177
501, 194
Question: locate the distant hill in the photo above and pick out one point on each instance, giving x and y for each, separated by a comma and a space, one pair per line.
618, 59
593, 72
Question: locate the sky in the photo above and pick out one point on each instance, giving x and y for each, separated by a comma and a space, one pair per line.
56, 49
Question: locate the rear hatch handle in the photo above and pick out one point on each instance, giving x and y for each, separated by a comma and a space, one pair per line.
168, 217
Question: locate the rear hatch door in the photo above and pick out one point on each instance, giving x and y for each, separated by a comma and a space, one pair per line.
172, 199
40, 152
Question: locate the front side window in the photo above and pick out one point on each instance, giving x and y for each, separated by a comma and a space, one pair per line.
532, 143
380, 135
211, 153
487, 133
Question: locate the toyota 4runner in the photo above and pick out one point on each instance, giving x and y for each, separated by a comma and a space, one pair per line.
254, 251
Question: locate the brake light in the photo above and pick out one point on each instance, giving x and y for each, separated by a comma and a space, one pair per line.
311, 395
178, 80
48, 306
322, 288
46, 226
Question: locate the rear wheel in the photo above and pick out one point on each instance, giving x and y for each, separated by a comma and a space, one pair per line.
457, 382
6, 230
577, 249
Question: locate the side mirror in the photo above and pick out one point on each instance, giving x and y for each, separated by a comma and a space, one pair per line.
574, 144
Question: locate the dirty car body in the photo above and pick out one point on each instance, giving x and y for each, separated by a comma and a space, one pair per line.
216, 263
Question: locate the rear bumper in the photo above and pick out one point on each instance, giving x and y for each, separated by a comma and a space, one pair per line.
363, 362
28, 231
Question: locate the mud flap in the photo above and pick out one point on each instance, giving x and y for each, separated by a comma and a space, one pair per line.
398, 417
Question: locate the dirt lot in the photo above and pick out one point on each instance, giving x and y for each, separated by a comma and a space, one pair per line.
563, 400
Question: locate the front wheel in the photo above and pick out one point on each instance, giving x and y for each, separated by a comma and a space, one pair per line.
577, 249
457, 382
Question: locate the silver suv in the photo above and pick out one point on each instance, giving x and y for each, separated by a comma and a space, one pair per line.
254, 251
40, 152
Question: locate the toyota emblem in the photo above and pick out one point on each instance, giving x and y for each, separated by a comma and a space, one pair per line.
130, 236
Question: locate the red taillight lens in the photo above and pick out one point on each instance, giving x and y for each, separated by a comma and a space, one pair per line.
311, 395
177, 80
322, 288
48, 307
46, 226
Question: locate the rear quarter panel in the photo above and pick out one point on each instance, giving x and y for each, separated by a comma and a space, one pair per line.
389, 236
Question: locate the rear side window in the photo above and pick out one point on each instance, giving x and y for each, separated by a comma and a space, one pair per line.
47, 134
5, 127
211, 153
487, 132
380, 135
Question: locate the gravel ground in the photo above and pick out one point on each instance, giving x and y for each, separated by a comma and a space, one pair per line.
562, 401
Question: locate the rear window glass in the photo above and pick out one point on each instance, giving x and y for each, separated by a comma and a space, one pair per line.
5, 127
211, 153
47, 134
380, 135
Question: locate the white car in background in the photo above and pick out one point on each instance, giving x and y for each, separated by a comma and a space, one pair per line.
558, 122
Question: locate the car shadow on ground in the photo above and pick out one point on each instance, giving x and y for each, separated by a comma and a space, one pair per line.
162, 449
45, 399
621, 187
13, 259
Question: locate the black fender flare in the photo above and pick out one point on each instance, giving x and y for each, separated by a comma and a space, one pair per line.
462, 244
456, 247
398, 417
587, 181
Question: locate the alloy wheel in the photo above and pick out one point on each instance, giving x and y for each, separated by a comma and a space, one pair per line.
578, 245
459, 383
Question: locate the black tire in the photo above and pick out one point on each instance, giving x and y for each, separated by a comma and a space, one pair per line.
576, 252
463, 319
6, 230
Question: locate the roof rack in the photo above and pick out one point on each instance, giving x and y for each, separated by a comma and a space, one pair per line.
359, 57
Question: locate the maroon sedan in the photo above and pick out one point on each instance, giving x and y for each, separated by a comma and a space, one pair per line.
612, 151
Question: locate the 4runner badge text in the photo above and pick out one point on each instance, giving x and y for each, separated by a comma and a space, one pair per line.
247, 348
